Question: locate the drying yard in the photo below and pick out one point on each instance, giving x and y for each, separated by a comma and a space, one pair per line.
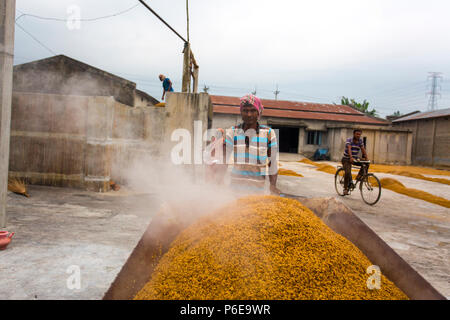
57, 228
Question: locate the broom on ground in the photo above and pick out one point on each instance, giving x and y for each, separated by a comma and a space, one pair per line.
18, 186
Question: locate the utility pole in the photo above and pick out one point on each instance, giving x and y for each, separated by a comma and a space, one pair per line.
186, 81
187, 18
7, 13
435, 89
276, 92
189, 61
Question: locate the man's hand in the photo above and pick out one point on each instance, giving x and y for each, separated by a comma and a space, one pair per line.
274, 190
352, 160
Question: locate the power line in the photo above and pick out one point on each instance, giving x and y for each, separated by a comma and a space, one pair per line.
65, 20
276, 93
306, 96
400, 98
405, 101
435, 78
408, 87
152, 11
35, 39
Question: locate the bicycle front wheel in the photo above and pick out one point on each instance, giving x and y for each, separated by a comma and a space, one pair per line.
370, 188
339, 181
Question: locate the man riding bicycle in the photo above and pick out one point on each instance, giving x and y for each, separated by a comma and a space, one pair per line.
351, 152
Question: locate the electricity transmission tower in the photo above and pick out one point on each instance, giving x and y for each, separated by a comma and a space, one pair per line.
276, 93
435, 77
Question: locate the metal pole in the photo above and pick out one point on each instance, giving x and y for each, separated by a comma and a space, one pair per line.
152, 11
7, 13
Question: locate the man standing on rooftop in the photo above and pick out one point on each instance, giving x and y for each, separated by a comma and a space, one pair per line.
166, 83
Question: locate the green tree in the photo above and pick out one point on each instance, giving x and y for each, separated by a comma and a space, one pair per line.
396, 114
361, 106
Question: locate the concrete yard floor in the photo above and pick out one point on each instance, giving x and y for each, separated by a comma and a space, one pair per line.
417, 230
60, 227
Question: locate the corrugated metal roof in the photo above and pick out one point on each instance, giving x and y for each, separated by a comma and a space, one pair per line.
297, 110
425, 115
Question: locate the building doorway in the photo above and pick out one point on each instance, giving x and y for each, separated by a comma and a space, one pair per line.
287, 138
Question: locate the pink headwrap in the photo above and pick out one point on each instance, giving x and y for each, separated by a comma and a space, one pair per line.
252, 100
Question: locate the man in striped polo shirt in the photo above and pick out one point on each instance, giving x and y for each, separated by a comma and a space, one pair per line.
254, 150
351, 152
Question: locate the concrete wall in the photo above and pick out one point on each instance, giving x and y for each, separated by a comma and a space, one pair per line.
84, 142
142, 99
66, 76
441, 143
7, 13
182, 111
383, 145
430, 142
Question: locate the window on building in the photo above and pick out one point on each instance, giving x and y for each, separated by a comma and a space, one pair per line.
315, 137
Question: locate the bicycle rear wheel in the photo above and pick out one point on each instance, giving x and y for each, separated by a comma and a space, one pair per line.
370, 188
339, 181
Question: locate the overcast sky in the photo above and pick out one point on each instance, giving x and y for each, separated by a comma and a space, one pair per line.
317, 51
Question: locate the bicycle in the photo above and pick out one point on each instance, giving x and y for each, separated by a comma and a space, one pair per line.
369, 184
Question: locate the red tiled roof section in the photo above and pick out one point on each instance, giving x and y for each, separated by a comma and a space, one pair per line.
288, 105
297, 110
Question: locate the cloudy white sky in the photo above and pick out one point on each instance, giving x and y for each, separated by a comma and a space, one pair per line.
379, 50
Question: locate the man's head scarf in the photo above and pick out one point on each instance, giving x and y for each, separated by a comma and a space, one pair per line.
252, 100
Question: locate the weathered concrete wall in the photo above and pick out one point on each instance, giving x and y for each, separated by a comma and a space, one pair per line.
182, 111
85, 142
430, 141
226, 120
441, 143
142, 99
78, 141
7, 13
48, 138
309, 149
66, 76
383, 145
